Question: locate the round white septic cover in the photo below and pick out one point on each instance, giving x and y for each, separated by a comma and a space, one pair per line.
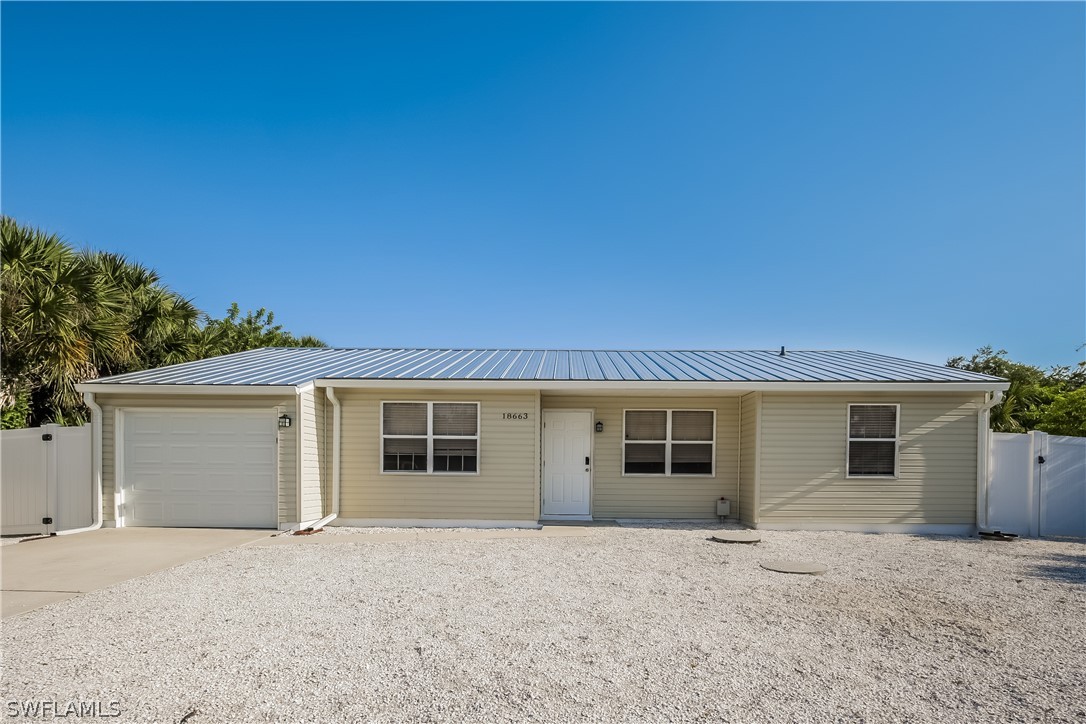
737, 536
809, 568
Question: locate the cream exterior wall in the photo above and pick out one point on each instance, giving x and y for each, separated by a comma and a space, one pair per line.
506, 487
802, 464
679, 496
314, 466
748, 456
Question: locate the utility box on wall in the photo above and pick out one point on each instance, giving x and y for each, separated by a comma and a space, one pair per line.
723, 507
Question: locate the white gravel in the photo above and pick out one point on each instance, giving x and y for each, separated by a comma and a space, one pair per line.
634, 623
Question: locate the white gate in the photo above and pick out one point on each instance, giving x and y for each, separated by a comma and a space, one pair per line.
1037, 485
1063, 486
46, 480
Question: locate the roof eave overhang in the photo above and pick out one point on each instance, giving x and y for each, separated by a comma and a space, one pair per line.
675, 386
166, 389
584, 386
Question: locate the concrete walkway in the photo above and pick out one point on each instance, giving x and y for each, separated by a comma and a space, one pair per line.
425, 534
38, 572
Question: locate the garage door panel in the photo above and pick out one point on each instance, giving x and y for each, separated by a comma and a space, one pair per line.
182, 456
200, 469
146, 454
183, 481
230, 456
251, 457
151, 481
251, 485
184, 513
149, 513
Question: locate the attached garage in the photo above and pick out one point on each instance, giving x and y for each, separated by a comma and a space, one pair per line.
198, 468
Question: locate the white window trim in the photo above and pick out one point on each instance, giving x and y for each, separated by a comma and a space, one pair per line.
430, 438
896, 440
667, 444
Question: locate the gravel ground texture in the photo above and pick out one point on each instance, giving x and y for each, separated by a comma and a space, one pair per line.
645, 622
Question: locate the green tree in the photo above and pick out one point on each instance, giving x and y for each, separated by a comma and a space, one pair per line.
162, 325
16, 413
59, 321
1066, 415
237, 333
68, 316
1036, 399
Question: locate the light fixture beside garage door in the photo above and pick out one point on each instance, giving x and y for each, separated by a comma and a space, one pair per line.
284, 421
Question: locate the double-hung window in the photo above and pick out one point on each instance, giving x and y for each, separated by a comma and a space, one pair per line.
669, 442
430, 437
872, 441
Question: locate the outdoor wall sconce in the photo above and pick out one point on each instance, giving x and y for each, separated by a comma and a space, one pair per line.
284, 421
599, 425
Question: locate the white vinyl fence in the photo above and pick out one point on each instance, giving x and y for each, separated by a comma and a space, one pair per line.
1037, 485
46, 482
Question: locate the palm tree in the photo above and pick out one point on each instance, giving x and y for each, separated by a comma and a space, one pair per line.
67, 316
1004, 416
163, 325
59, 321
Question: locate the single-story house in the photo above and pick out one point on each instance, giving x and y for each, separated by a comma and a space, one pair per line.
285, 438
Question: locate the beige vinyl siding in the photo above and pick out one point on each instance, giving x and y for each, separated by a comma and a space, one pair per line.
748, 457
804, 448
314, 465
286, 446
506, 487
678, 496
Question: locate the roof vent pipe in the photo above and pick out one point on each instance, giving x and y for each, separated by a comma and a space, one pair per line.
782, 350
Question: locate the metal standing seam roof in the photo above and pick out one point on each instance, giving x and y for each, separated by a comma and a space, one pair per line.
294, 366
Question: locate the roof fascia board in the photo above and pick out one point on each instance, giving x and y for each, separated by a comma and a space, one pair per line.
181, 389
609, 386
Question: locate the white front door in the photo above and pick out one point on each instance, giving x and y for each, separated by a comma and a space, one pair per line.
567, 464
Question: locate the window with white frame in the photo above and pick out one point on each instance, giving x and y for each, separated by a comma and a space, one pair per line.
430, 437
669, 442
872, 440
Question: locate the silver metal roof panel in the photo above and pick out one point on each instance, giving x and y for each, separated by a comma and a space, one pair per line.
296, 366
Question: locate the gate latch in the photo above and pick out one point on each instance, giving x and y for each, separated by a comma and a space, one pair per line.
1040, 459
47, 437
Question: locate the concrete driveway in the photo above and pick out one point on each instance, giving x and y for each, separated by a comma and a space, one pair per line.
39, 572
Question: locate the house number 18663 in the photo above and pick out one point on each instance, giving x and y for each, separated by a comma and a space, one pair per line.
514, 415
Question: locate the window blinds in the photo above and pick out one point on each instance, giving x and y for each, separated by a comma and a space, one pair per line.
456, 419
646, 425
872, 421
405, 418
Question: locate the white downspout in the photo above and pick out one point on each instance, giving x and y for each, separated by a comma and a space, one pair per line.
337, 418
299, 427
96, 465
984, 438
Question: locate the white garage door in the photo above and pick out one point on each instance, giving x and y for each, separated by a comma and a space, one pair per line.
200, 468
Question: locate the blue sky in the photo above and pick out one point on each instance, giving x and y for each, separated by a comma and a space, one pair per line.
905, 178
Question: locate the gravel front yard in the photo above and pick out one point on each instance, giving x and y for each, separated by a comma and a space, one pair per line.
638, 623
